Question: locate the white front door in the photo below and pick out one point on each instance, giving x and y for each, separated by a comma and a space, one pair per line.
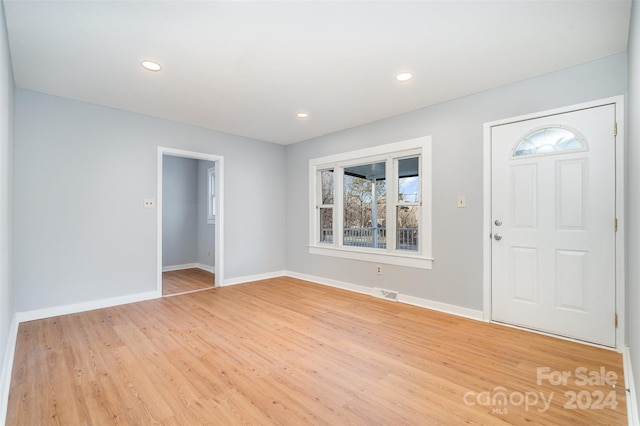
553, 213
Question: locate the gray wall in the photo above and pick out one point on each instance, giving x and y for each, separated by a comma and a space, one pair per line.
186, 236
633, 196
179, 211
206, 232
457, 131
81, 174
7, 308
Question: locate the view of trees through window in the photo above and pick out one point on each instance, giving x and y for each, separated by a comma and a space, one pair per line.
373, 204
407, 210
326, 208
365, 210
364, 204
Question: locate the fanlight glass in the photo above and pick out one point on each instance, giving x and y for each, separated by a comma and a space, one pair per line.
550, 140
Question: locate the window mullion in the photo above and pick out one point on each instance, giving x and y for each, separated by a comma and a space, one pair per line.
426, 202
318, 188
421, 222
392, 195
318, 203
338, 206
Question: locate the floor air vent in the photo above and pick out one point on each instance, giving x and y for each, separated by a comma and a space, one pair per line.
381, 293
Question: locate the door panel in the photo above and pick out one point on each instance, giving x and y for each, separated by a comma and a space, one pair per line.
572, 178
553, 268
570, 268
524, 273
525, 194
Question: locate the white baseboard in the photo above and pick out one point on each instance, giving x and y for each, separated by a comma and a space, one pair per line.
410, 300
170, 268
207, 268
85, 306
631, 397
442, 307
331, 283
250, 278
7, 368
202, 266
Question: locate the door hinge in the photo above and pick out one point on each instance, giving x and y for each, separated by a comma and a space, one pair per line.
615, 224
615, 129
615, 320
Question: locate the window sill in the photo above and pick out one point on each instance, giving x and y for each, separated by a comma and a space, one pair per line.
400, 259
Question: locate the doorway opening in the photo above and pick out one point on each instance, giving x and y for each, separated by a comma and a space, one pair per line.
189, 221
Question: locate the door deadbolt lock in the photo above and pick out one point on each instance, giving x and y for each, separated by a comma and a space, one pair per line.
497, 237
498, 222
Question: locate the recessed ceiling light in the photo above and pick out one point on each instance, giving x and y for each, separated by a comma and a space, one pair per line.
302, 115
404, 76
151, 65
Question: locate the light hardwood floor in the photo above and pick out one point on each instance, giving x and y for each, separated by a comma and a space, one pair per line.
185, 280
284, 351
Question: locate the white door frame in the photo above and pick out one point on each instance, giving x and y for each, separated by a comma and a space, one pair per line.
219, 236
620, 206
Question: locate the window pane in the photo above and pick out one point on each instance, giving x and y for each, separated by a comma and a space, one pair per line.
364, 218
326, 177
407, 228
326, 225
549, 140
381, 222
409, 180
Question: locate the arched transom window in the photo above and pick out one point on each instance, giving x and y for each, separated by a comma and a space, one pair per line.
550, 140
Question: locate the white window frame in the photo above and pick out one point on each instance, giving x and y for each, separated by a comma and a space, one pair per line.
390, 153
211, 196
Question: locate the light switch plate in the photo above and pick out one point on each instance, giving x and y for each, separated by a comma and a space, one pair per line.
462, 203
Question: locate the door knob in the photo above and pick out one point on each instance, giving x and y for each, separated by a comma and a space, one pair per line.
497, 237
498, 222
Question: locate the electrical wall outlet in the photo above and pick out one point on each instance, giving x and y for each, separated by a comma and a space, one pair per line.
149, 203
379, 269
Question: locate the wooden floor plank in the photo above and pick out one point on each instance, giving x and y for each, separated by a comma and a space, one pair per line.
289, 352
186, 280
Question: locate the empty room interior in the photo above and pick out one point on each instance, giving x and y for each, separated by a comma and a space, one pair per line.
349, 212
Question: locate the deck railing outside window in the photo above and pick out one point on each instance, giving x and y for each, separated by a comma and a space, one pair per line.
374, 237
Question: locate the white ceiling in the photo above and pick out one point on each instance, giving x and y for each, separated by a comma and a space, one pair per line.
247, 67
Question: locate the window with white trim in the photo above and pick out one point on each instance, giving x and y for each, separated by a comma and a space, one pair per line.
373, 204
